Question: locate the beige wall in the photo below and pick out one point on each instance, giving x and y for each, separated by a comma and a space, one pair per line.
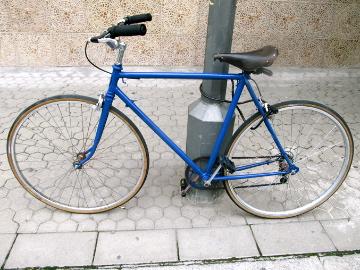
53, 32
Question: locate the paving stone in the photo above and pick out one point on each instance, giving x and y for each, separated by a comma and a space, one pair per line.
237, 220
162, 201
341, 263
136, 213
6, 241
145, 202
28, 227
23, 215
42, 215
172, 212
163, 223
154, 213
87, 225
125, 224
7, 225
52, 249
49, 226
67, 226
214, 243
145, 224
136, 247
292, 238
182, 222
200, 221
4, 203
345, 234
107, 225
189, 211
311, 263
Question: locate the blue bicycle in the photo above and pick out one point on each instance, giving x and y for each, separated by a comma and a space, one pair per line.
82, 155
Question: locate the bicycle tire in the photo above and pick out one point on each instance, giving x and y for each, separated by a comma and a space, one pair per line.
13, 157
324, 196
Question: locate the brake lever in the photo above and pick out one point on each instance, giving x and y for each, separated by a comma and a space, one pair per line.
122, 21
112, 43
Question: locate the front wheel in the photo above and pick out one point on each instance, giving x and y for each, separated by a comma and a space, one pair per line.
50, 136
318, 141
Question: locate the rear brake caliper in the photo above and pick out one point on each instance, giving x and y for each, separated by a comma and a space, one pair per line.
269, 111
227, 164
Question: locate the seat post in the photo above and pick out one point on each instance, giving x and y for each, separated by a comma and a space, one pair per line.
120, 55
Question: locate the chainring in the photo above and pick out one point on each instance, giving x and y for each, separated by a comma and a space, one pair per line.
193, 179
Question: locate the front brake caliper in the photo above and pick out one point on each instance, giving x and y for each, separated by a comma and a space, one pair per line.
100, 102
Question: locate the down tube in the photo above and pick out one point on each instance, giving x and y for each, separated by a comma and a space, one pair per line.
158, 131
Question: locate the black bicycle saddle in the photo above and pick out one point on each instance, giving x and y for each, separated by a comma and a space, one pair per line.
250, 61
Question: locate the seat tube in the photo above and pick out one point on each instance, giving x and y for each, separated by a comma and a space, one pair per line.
225, 125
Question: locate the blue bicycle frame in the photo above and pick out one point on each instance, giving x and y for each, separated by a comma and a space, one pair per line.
242, 80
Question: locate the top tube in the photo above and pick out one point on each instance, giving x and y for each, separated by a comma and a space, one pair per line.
175, 75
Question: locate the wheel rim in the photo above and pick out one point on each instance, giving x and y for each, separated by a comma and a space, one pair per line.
42, 156
307, 189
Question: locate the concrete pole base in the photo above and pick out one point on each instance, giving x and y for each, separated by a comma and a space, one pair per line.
204, 123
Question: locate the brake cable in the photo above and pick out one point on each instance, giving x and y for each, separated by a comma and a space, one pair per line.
87, 58
202, 92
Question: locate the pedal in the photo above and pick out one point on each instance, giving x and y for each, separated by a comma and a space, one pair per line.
184, 187
227, 164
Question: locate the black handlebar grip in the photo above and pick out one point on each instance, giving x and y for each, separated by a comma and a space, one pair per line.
127, 30
138, 18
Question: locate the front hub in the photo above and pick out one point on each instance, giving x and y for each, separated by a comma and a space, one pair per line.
79, 157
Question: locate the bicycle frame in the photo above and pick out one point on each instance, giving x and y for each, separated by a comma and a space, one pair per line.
242, 81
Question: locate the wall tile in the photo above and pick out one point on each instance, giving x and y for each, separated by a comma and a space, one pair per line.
25, 17
347, 21
53, 32
8, 50
69, 49
139, 51
341, 53
101, 14
178, 52
317, 20
155, 7
66, 16
252, 17
285, 19
33, 50
179, 18
4, 17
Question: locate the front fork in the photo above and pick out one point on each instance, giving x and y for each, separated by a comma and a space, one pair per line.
105, 109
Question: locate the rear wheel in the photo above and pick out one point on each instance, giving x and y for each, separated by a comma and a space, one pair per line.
51, 135
315, 137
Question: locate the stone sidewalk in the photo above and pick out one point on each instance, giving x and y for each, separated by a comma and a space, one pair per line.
158, 225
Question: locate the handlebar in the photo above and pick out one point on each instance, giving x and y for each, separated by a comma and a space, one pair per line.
127, 30
127, 27
138, 18
121, 30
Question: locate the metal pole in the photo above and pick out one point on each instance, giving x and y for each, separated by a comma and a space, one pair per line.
206, 116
